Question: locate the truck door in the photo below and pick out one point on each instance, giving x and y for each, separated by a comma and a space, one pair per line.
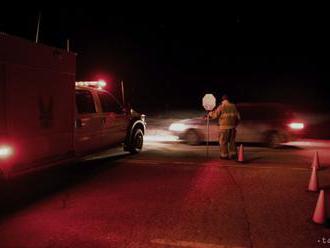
115, 120
89, 123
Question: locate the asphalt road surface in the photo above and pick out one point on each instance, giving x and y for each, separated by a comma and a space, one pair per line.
171, 195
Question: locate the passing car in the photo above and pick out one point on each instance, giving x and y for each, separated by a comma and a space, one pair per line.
267, 123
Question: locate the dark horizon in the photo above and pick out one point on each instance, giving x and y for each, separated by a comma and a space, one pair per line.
170, 60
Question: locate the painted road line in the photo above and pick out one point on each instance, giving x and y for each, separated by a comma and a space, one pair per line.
183, 162
144, 162
245, 166
266, 167
189, 244
141, 161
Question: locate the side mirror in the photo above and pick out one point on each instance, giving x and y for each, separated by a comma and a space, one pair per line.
125, 110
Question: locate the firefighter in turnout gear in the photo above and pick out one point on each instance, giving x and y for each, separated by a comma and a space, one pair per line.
228, 120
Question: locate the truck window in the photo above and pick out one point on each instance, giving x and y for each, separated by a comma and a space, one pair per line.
85, 102
109, 104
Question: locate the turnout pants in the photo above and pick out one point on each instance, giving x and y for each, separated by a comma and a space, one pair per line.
227, 143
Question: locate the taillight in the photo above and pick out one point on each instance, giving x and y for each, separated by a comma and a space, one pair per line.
296, 125
6, 151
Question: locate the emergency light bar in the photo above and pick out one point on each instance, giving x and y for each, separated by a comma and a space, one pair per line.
99, 84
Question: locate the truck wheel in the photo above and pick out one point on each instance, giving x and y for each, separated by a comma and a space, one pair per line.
136, 143
192, 137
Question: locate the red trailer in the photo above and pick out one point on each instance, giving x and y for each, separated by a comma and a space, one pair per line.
37, 90
46, 119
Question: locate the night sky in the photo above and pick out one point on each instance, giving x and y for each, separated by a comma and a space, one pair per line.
170, 57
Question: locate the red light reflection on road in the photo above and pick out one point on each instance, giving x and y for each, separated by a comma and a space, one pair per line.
206, 182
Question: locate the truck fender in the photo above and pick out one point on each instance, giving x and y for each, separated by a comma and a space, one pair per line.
135, 123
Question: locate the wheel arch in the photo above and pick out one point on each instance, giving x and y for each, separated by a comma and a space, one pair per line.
197, 132
135, 123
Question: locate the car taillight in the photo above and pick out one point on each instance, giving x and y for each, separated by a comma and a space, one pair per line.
6, 151
296, 125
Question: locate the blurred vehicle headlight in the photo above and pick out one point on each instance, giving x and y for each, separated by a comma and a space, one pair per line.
296, 125
177, 127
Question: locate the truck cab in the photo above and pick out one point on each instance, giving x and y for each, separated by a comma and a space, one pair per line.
102, 121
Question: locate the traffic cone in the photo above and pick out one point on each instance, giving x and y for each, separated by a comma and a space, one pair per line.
316, 161
313, 182
319, 215
241, 153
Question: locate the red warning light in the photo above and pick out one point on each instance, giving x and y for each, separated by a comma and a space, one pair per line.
100, 84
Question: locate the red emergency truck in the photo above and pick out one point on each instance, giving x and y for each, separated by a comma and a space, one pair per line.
46, 119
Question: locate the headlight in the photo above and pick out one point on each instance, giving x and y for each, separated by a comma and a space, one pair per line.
177, 127
296, 125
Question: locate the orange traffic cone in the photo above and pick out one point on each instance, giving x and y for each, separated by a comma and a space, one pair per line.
316, 161
241, 154
313, 182
319, 215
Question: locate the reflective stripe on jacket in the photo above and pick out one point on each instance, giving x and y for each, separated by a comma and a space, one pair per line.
228, 115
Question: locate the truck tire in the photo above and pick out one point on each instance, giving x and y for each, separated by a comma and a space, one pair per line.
136, 142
